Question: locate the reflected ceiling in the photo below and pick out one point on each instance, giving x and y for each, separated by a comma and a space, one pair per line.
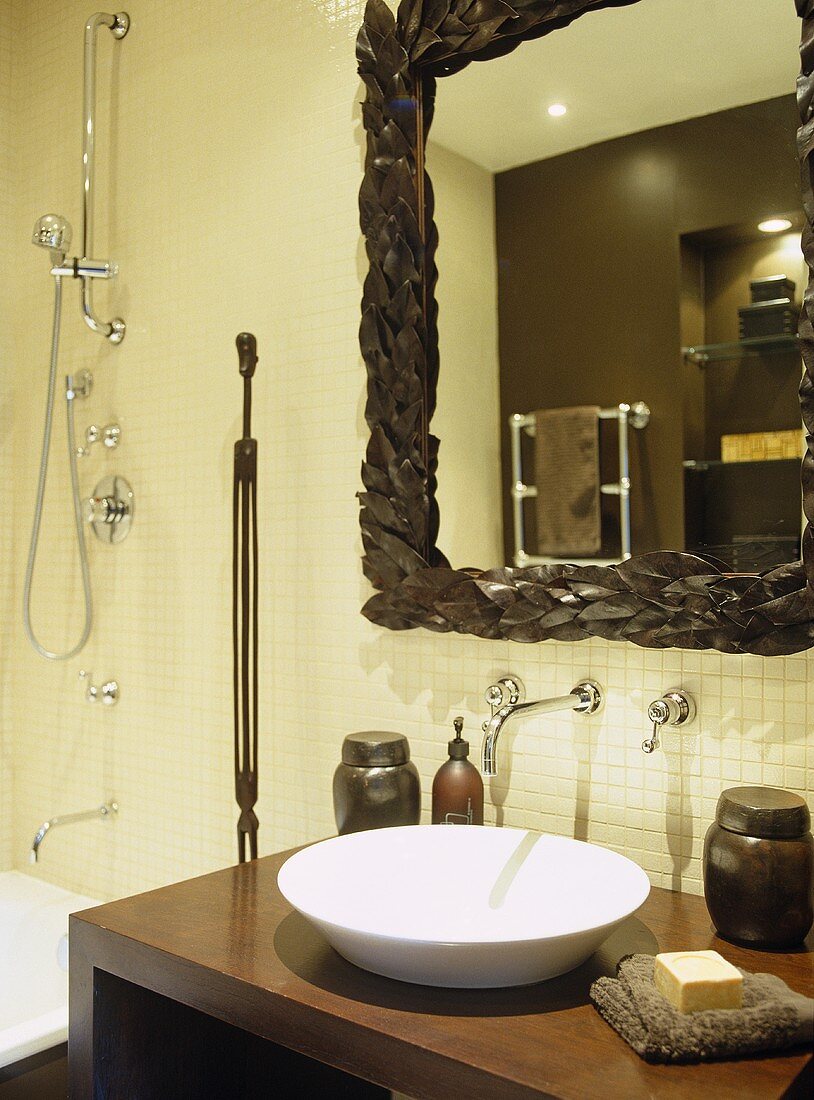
694, 63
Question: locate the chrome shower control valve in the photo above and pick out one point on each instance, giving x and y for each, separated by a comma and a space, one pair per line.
110, 435
107, 693
110, 510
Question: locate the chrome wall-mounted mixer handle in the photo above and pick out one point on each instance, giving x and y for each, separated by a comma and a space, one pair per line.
110, 435
675, 708
507, 691
107, 693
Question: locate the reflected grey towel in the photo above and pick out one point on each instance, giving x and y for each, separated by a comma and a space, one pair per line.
566, 460
772, 1017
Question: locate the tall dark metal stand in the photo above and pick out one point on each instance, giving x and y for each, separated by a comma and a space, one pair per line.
244, 608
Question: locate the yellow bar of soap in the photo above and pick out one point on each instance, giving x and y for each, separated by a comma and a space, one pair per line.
693, 981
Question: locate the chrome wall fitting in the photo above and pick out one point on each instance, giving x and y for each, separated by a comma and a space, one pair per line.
506, 699
110, 435
107, 693
74, 268
675, 708
78, 385
110, 510
121, 24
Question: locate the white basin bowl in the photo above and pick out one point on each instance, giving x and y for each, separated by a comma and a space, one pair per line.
463, 905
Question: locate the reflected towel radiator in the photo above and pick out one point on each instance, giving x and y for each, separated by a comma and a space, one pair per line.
633, 416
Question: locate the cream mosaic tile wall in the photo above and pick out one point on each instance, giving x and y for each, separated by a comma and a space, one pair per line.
6, 453
230, 159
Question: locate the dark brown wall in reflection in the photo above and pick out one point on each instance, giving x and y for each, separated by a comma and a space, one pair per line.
590, 279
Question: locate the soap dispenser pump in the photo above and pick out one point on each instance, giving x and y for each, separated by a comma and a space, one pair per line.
457, 790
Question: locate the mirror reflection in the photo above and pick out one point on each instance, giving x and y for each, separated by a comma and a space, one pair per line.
617, 322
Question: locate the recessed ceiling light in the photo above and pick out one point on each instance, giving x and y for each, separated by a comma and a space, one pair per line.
557, 110
774, 225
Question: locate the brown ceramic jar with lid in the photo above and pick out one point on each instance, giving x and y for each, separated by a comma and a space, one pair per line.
759, 867
376, 785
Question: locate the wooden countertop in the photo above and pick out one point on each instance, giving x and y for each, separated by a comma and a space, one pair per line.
227, 944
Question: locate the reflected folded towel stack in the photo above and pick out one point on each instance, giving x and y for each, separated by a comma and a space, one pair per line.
773, 1017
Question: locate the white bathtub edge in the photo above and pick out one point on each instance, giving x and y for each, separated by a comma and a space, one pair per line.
22, 1040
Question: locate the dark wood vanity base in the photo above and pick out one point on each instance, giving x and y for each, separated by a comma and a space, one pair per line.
216, 988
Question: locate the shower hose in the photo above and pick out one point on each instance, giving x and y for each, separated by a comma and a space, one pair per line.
77, 504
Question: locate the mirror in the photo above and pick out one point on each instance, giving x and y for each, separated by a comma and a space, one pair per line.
660, 598
579, 254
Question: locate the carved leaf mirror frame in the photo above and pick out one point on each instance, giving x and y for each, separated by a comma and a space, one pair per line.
659, 600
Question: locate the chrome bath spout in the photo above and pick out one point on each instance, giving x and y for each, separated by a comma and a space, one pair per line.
103, 811
585, 698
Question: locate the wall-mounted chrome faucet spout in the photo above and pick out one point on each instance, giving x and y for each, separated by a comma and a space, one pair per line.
107, 809
506, 699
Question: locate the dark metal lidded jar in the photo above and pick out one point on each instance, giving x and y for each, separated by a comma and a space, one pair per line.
376, 785
759, 867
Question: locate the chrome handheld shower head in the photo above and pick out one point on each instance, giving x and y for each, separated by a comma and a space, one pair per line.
53, 231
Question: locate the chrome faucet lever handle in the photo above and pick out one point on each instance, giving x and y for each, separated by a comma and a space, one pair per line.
675, 708
651, 743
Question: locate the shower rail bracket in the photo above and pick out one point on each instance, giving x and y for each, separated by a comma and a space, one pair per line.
121, 24
117, 330
78, 385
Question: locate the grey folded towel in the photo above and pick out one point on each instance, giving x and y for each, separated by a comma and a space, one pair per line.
773, 1017
566, 460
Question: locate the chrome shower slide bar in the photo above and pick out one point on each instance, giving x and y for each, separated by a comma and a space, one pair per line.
118, 25
637, 416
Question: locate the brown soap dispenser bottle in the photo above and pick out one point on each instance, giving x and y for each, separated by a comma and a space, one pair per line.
457, 790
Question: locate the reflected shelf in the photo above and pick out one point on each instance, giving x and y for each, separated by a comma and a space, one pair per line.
740, 349
705, 463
